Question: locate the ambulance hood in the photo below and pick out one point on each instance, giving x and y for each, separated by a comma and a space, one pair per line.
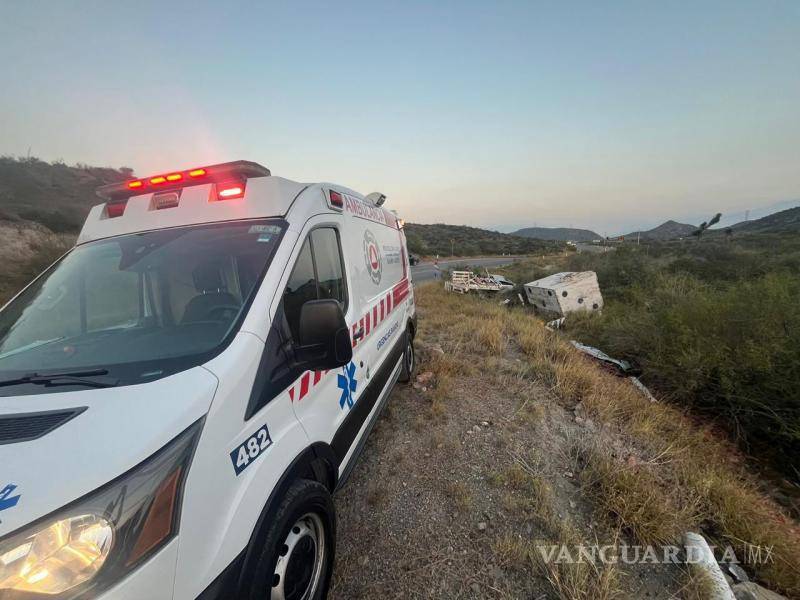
117, 429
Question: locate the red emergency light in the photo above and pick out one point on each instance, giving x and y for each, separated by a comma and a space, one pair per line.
230, 190
230, 179
117, 209
336, 199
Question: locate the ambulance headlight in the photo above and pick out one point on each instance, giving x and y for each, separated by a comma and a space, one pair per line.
58, 557
94, 542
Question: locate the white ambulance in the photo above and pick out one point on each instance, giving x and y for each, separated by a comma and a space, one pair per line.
183, 391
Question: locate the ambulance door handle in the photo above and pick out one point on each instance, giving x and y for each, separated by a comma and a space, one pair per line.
358, 335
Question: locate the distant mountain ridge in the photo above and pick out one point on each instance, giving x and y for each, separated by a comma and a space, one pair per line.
785, 220
460, 240
561, 234
666, 231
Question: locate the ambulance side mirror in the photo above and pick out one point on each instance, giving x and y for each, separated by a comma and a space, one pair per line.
324, 336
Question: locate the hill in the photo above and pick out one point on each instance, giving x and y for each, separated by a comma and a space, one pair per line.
563, 234
42, 208
666, 231
460, 240
779, 222
54, 195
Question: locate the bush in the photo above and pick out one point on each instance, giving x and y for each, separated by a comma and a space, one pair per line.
43, 255
732, 351
55, 220
714, 325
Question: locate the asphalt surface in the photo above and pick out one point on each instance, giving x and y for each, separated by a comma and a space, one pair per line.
427, 271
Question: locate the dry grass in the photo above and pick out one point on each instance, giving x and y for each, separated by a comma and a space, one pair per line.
582, 580
634, 497
683, 477
533, 497
698, 586
459, 495
26, 252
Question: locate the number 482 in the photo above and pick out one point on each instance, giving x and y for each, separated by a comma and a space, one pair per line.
251, 449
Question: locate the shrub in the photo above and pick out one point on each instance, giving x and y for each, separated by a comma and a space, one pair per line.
732, 351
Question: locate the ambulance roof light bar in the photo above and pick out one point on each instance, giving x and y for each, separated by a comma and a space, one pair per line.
240, 169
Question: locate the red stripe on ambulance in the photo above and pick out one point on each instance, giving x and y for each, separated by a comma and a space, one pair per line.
304, 384
369, 322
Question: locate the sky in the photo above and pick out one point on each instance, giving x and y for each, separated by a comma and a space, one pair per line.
611, 116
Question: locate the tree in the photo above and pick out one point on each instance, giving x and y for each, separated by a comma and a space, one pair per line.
706, 224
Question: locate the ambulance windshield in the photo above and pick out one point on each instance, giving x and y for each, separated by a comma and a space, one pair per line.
139, 306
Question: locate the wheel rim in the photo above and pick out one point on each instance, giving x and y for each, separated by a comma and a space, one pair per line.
301, 557
410, 357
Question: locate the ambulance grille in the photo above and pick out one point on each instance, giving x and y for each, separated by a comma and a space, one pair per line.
31, 426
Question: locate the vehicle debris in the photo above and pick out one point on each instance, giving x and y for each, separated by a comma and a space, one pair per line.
623, 366
466, 281
643, 388
505, 284
701, 559
555, 324
564, 293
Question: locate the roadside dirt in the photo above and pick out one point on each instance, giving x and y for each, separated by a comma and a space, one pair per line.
458, 476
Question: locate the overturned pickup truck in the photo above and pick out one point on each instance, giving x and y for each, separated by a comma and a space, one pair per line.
466, 281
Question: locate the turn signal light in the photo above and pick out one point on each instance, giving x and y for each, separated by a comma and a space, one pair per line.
158, 525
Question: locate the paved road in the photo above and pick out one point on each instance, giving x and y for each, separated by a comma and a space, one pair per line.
427, 271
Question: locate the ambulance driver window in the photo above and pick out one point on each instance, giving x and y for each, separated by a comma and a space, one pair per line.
329, 265
317, 274
301, 288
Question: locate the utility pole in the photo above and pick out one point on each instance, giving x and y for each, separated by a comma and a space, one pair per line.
452, 244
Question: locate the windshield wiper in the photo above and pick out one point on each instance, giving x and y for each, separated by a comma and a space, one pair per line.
65, 378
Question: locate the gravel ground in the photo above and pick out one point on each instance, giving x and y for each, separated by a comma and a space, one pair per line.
427, 504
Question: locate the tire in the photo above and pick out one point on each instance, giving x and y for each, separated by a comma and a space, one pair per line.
409, 359
296, 562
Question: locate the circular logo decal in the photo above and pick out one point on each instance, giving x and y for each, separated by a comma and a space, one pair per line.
372, 257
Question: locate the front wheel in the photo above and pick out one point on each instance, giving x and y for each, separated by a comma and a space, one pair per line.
409, 359
296, 562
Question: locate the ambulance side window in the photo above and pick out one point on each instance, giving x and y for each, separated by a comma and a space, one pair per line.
328, 258
317, 274
301, 288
